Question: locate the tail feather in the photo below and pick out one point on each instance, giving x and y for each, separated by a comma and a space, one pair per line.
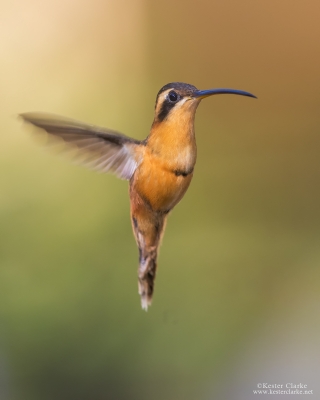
146, 277
148, 227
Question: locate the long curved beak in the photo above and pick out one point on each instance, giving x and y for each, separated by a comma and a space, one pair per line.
201, 94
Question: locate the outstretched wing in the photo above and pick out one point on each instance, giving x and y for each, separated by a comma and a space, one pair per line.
101, 149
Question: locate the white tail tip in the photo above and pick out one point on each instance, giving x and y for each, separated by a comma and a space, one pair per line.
145, 303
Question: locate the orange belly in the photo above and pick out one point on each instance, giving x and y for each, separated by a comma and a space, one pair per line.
156, 183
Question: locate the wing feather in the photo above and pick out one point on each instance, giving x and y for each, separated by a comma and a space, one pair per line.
99, 148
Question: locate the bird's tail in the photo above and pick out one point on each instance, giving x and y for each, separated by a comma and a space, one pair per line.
148, 227
147, 275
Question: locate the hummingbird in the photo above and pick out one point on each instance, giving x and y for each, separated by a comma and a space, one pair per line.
159, 168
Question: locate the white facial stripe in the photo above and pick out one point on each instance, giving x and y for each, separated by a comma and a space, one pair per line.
178, 106
161, 99
163, 96
182, 101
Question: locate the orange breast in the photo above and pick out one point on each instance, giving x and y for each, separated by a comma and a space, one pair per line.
170, 147
158, 184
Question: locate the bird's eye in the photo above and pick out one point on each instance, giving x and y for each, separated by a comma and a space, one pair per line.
173, 96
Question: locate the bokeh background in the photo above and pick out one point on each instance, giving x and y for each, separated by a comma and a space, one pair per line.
237, 294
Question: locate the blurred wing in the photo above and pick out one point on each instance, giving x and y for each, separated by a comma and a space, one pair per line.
102, 149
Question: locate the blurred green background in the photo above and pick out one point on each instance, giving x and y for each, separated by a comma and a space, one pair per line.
237, 293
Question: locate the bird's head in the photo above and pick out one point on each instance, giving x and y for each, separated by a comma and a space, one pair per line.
179, 100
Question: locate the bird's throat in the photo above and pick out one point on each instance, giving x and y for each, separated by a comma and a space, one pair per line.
173, 141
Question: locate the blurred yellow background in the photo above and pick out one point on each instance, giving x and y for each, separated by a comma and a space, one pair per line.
237, 293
